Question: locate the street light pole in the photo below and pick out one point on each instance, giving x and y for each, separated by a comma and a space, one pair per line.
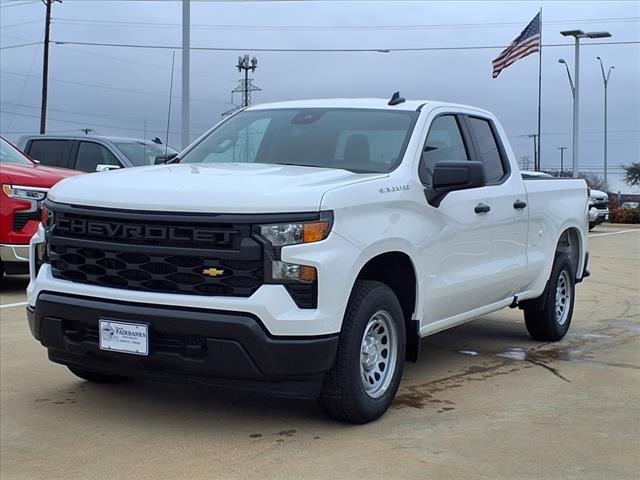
605, 79
186, 67
577, 35
562, 149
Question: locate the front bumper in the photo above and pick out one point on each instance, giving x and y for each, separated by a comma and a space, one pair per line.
15, 258
13, 253
598, 216
203, 346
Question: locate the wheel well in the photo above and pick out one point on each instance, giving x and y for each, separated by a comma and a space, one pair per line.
569, 244
396, 271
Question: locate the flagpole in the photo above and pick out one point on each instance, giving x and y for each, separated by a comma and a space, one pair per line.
539, 94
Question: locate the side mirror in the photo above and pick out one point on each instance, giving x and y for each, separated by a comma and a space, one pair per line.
452, 176
105, 168
160, 159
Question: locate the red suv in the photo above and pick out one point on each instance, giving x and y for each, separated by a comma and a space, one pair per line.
24, 187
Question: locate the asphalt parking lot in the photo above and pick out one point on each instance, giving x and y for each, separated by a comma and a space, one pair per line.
484, 401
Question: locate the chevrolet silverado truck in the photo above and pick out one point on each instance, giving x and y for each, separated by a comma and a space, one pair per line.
304, 247
25, 184
598, 208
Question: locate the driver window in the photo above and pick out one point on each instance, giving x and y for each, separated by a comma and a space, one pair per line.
444, 142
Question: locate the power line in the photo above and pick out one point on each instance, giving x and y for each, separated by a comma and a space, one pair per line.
329, 50
84, 123
95, 115
20, 45
17, 4
20, 23
80, 21
93, 85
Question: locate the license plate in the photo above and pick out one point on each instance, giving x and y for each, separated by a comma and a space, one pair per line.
124, 337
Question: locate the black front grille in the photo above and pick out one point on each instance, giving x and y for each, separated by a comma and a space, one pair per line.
183, 253
20, 219
601, 205
150, 252
156, 272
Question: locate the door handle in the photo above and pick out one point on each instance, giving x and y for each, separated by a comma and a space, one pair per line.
519, 204
482, 208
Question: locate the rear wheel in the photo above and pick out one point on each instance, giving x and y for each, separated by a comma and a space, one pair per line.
95, 376
548, 317
366, 373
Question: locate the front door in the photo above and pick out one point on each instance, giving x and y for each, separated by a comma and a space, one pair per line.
457, 254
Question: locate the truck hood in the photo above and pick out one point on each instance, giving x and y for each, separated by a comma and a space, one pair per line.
212, 188
34, 175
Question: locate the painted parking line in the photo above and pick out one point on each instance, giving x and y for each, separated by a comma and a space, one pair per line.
613, 233
10, 305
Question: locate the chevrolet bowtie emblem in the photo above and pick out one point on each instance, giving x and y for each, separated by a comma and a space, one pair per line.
212, 272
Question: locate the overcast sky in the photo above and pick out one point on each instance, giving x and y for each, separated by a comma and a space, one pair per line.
117, 91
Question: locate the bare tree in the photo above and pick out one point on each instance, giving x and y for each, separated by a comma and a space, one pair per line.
594, 181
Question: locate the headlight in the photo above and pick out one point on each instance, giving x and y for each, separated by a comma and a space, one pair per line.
282, 234
24, 193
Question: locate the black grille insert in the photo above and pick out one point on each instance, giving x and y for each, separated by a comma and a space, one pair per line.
148, 252
20, 219
156, 272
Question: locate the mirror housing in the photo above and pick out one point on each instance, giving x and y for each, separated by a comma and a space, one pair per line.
452, 176
105, 168
160, 159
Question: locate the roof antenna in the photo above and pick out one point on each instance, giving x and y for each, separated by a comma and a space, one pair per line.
396, 99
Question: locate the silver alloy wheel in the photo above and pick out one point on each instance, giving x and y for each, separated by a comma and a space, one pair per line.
563, 297
378, 352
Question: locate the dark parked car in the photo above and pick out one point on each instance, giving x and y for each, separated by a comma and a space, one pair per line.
93, 153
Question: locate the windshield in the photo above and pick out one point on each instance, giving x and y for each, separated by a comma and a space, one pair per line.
142, 153
9, 154
359, 140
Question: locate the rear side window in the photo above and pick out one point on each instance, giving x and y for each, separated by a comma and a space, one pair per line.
53, 153
91, 154
488, 150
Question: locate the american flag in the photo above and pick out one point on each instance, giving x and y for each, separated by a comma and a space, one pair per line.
526, 43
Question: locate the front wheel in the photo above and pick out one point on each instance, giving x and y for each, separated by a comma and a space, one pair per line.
548, 317
366, 373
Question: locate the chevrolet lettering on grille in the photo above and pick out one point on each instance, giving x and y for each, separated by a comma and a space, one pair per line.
123, 231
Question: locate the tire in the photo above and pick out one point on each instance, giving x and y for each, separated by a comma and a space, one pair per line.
548, 317
371, 352
95, 376
592, 225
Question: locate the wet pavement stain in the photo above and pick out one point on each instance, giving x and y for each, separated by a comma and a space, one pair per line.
255, 435
286, 433
576, 347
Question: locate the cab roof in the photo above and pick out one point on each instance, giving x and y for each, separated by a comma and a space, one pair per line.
372, 103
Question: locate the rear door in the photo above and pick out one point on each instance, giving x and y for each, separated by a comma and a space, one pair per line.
50, 152
458, 252
508, 201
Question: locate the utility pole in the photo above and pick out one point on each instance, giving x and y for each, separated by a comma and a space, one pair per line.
186, 61
45, 65
536, 154
605, 79
562, 149
86, 130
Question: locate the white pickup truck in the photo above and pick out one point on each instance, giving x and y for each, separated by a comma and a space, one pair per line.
304, 247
